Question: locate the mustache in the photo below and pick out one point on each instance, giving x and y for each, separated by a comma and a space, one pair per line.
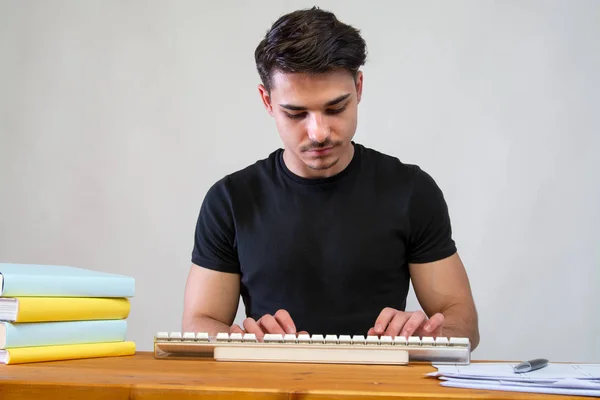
318, 146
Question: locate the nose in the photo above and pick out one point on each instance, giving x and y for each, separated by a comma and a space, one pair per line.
318, 131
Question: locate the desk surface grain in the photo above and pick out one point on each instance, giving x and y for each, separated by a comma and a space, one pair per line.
142, 377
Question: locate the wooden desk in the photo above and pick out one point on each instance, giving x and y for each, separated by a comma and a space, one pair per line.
141, 377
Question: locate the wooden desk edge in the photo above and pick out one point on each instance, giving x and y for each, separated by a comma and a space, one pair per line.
19, 389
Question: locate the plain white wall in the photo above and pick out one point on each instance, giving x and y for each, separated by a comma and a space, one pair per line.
116, 117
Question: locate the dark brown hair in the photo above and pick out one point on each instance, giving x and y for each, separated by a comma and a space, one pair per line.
309, 41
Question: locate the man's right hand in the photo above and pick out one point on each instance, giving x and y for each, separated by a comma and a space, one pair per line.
281, 323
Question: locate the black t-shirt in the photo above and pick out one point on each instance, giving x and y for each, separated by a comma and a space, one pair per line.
334, 251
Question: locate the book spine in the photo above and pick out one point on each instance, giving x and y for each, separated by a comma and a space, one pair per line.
64, 286
62, 333
54, 309
68, 352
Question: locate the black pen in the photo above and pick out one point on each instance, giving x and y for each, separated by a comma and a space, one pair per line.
531, 365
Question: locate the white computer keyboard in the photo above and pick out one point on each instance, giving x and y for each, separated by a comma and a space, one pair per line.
314, 348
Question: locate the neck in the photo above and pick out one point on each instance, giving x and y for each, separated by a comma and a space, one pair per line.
298, 167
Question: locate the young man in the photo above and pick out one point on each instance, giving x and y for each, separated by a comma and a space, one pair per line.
324, 235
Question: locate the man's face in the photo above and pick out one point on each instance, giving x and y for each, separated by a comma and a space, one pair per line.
316, 118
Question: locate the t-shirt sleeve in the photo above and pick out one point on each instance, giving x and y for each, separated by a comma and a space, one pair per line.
430, 236
214, 239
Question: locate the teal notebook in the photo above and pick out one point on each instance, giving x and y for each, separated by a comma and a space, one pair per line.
57, 333
29, 280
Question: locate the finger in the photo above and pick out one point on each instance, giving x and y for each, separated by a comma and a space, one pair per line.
397, 323
303, 333
434, 324
269, 324
371, 332
413, 323
251, 326
384, 318
236, 329
284, 320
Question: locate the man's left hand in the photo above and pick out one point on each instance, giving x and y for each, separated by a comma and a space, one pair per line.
392, 322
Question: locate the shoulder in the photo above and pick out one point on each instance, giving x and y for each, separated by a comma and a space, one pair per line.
418, 195
245, 179
410, 186
391, 169
262, 169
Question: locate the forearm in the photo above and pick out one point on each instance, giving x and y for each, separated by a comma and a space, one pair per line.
205, 324
461, 321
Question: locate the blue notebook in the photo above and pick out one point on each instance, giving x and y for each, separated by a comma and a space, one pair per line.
28, 280
57, 333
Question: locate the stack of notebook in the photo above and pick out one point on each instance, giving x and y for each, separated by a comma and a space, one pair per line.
51, 312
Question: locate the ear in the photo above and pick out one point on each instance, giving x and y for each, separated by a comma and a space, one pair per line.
266, 98
359, 85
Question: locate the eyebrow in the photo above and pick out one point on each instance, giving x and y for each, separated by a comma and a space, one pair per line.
329, 103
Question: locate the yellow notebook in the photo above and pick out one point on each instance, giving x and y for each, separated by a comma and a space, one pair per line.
22, 355
47, 309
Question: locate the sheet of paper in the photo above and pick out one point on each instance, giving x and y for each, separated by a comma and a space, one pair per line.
551, 372
471, 384
562, 383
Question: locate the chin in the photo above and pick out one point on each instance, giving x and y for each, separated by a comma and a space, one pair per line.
322, 164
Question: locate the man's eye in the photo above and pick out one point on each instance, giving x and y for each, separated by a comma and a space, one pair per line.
336, 110
295, 116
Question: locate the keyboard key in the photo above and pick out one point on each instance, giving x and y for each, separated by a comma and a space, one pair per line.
386, 340
317, 339
222, 337
371, 339
250, 338
400, 341
236, 337
345, 339
290, 338
303, 338
459, 341
427, 341
331, 339
414, 341
273, 338
358, 339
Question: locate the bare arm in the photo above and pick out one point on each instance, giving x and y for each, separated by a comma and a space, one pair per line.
443, 287
210, 301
